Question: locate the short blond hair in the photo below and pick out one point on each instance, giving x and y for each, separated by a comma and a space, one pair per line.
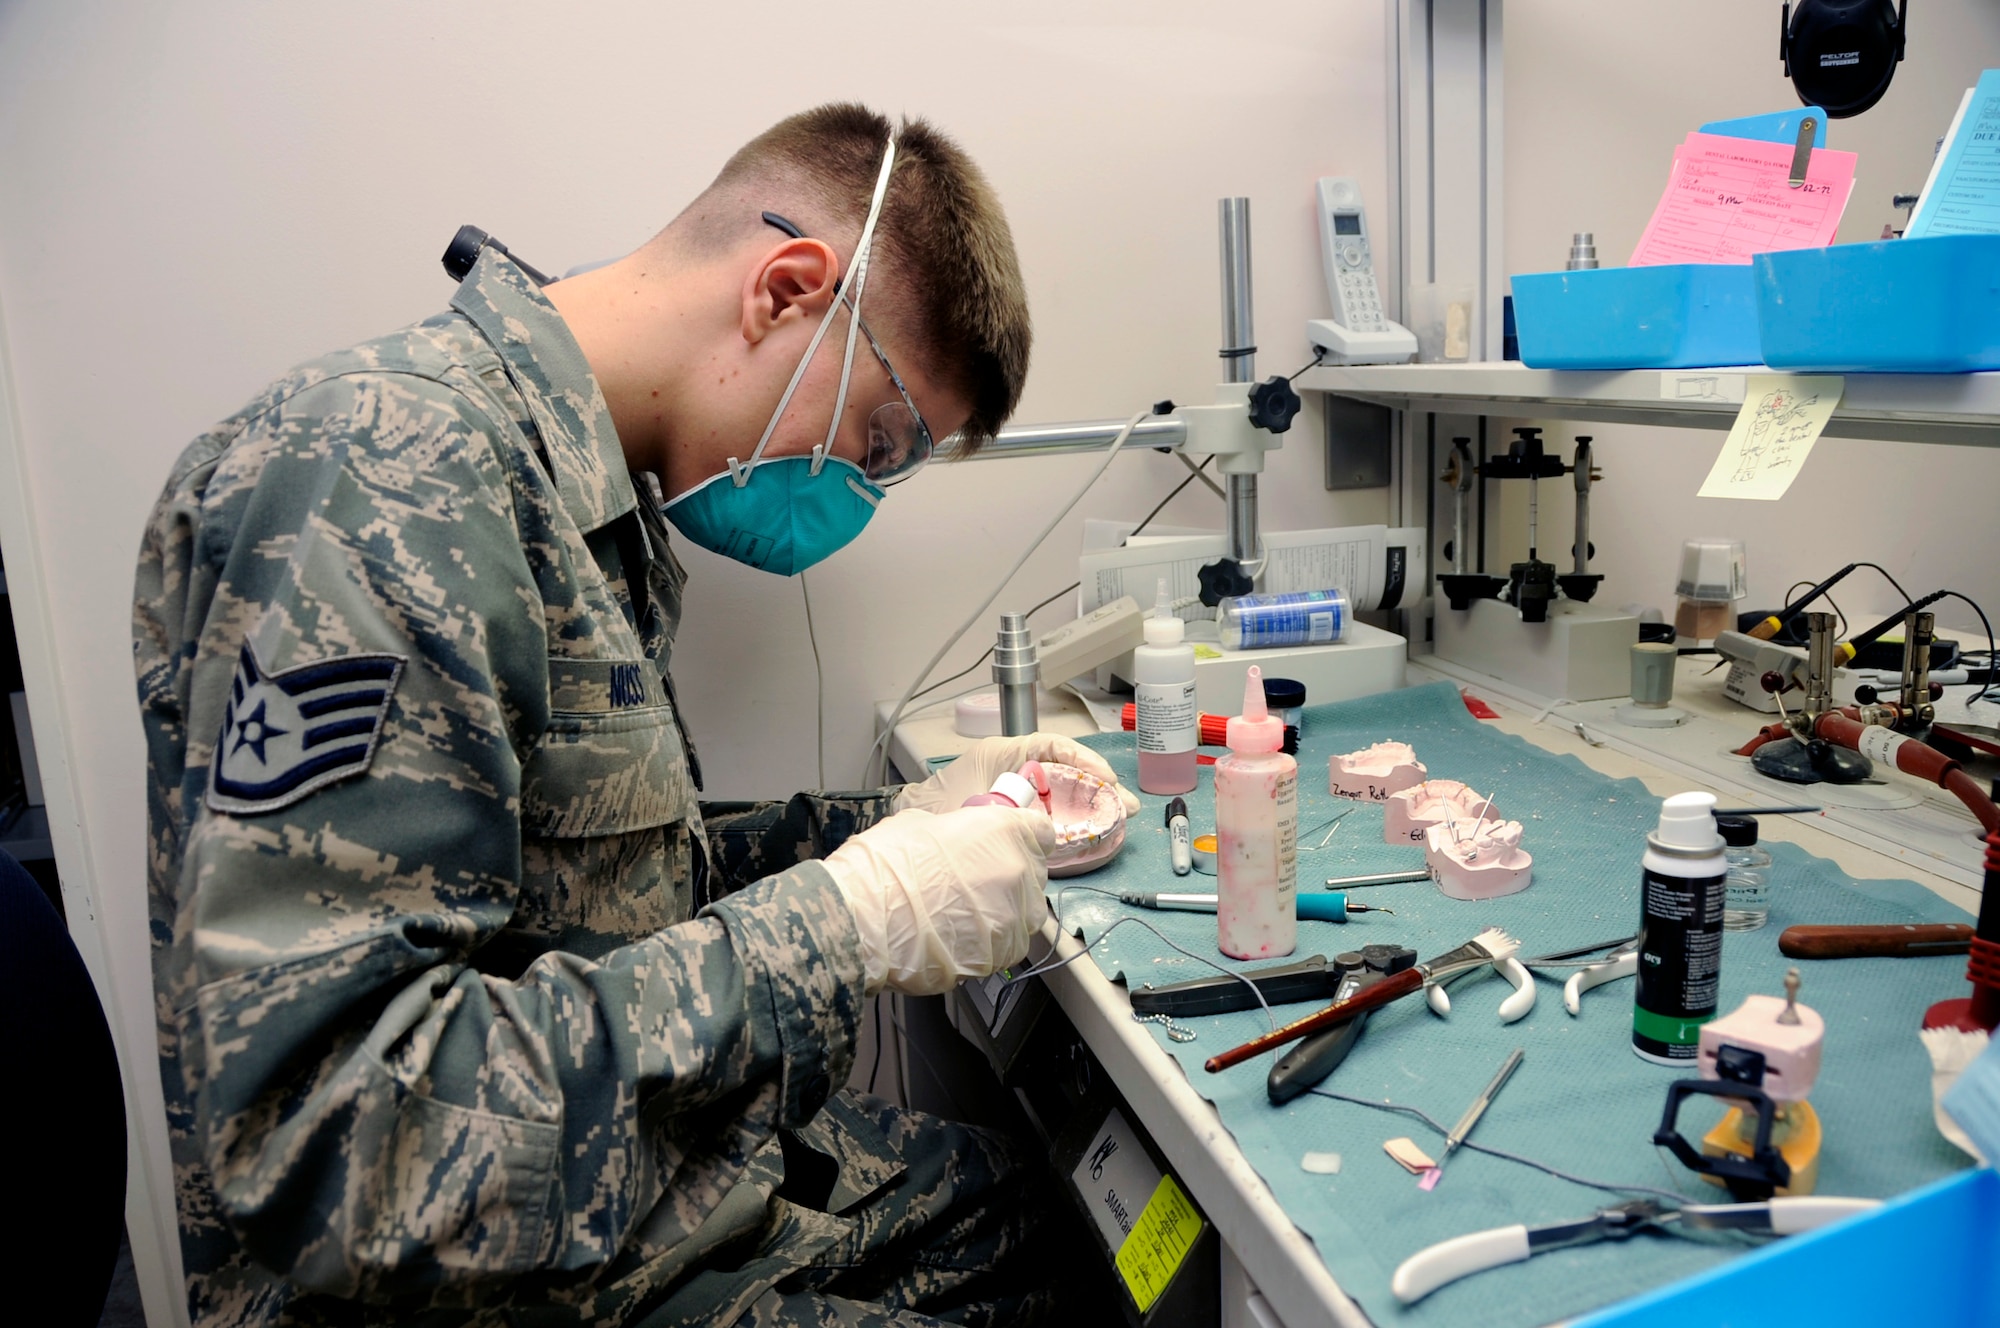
958, 283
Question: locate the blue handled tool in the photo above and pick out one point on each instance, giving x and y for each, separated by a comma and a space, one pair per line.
1320, 906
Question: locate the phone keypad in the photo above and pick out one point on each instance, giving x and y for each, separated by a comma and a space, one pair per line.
1360, 303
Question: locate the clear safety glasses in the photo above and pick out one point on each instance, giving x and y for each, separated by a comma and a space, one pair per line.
899, 442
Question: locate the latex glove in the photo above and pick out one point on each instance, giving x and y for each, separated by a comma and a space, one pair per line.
983, 762
938, 899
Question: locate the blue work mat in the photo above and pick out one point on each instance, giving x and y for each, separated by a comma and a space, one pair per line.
1581, 1101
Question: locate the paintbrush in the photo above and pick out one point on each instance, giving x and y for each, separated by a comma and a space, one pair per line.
1490, 945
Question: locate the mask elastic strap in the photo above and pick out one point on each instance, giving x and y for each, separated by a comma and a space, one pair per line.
863, 251
739, 471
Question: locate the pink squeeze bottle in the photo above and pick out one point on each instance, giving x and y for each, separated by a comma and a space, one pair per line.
1257, 834
1029, 787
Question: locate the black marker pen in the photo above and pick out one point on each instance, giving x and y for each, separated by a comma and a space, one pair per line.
1177, 837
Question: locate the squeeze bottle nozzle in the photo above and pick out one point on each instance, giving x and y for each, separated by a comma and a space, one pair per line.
1162, 628
1256, 729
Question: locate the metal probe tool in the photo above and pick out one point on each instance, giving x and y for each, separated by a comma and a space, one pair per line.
1471, 1117
1378, 878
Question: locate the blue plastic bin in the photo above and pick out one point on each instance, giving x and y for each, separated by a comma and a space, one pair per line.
1676, 316
1887, 306
1929, 1257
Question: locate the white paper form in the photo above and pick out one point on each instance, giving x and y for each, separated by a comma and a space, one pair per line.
1782, 417
1378, 566
1962, 197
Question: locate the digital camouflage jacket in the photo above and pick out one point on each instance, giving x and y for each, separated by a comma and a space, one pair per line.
467, 1013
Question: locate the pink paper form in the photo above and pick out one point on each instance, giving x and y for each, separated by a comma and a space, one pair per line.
1729, 198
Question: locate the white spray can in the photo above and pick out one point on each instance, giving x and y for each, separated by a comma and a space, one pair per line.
1681, 895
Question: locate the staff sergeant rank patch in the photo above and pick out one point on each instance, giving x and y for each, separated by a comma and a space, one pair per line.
286, 734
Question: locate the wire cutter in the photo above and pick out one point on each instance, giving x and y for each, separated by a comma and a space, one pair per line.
1428, 1269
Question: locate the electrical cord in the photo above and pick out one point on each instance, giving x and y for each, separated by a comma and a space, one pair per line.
1840, 627
988, 652
1145, 521
1039, 969
874, 773
1979, 695
876, 1068
1417, 1113
957, 1110
1893, 583
819, 682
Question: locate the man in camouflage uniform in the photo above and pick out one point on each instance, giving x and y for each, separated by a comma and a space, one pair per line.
471, 1013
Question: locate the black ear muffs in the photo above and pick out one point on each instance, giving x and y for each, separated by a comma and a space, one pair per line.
1841, 54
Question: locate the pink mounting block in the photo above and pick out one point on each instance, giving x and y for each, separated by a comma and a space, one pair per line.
1372, 774
1409, 813
1469, 860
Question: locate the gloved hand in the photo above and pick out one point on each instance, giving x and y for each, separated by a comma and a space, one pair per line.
938, 899
984, 762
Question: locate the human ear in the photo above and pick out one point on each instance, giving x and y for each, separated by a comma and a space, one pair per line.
795, 279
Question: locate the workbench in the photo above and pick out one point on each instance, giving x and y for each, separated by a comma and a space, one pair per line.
1273, 1275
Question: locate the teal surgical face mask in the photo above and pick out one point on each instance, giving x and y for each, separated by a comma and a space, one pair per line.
784, 514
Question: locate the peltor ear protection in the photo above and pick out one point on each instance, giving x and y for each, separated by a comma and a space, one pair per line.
1841, 54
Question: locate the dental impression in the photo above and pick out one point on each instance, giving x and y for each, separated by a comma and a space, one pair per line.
1374, 773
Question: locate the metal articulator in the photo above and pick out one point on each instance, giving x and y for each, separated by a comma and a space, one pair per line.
1463, 584
1533, 585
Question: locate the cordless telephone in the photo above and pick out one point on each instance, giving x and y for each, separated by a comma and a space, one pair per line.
1359, 332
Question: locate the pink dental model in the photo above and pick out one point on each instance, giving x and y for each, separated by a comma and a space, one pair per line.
1089, 815
1373, 773
1408, 814
1480, 861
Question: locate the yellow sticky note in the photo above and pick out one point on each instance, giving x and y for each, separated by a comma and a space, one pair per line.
1782, 417
1159, 1242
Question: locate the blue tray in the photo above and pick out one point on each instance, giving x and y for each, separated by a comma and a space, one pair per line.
1674, 316
1930, 1257
1888, 306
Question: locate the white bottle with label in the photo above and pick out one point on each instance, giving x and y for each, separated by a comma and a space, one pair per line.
1257, 834
1163, 696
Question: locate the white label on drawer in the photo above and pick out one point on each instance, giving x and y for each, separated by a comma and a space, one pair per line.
1725, 388
1116, 1179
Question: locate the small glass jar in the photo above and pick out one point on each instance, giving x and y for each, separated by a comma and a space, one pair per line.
1746, 903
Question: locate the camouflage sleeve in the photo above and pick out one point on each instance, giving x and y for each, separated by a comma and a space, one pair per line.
382, 1119
750, 840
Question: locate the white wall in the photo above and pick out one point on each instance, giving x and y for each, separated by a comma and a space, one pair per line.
1597, 96
197, 196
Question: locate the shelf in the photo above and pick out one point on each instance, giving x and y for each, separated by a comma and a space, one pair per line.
1915, 408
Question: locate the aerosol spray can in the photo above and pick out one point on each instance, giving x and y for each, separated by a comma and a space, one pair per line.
1681, 895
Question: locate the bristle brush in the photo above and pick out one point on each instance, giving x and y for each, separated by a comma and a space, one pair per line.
1487, 947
